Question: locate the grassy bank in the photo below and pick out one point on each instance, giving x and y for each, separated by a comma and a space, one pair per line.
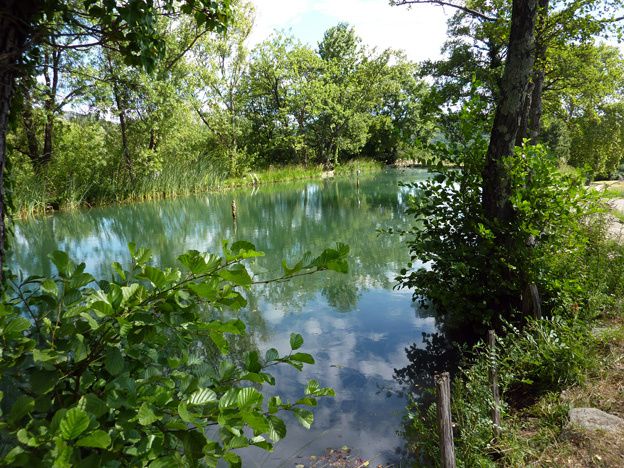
35, 195
573, 359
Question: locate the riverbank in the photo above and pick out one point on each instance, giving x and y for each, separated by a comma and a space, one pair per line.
550, 371
34, 197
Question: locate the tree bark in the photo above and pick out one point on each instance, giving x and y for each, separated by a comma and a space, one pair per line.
523, 130
121, 113
535, 111
52, 60
15, 22
518, 67
30, 129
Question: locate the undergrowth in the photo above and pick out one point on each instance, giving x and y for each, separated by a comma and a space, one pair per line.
538, 362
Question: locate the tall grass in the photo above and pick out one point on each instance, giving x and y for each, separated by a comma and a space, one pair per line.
37, 195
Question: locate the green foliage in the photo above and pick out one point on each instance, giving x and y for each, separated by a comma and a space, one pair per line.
546, 356
470, 269
209, 113
597, 141
134, 370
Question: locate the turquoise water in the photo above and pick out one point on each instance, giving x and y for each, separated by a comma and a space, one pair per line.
356, 325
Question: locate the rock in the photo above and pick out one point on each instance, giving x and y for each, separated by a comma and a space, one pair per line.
594, 419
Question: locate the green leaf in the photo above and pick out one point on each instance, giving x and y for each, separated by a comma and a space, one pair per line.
296, 341
93, 405
271, 355
249, 396
22, 406
198, 263
202, 396
97, 439
16, 326
229, 399
114, 362
146, 415
305, 417
257, 422
61, 261
237, 442
74, 423
49, 287
302, 357
155, 276
233, 459
236, 274
277, 429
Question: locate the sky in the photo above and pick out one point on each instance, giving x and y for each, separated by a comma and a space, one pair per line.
420, 31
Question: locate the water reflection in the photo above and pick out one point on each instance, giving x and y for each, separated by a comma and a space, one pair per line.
355, 325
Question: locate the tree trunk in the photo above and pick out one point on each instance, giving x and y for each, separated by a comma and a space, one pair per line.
15, 21
52, 61
535, 112
520, 58
30, 129
523, 130
121, 113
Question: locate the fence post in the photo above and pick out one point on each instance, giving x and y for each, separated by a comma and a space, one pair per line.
493, 375
445, 424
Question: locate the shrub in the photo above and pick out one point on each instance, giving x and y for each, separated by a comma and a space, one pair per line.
473, 270
133, 370
547, 356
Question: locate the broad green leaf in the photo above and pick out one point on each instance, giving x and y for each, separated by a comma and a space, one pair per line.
74, 423
237, 442
249, 396
296, 341
229, 399
102, 308
97, 439
305, 417
49, 287
236, 274
257, 422
61, 261
302, 357
114, 362
233, 459
155, 276
146, 415
277, 428
93, 405
202, 396
271, 355
43, 381
16, 326
22, 406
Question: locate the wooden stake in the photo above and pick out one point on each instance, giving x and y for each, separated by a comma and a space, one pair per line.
234, 210
493, 375
445, 424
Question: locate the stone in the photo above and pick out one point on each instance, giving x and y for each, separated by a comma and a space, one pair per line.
594, 419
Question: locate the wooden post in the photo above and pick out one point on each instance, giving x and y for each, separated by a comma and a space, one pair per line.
234, 210
493, 375
445, 424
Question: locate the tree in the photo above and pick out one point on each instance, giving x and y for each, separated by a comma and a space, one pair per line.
221, 62
130, 27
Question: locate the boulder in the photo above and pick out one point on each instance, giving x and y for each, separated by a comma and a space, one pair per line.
594, 419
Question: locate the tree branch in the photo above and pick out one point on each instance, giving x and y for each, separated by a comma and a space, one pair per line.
448, 3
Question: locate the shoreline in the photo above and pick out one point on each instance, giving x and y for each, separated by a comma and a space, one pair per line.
253, 179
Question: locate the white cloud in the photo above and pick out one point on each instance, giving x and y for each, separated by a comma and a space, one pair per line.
420, 30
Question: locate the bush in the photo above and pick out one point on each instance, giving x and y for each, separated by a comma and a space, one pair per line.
133, 370
547, 356
475, 271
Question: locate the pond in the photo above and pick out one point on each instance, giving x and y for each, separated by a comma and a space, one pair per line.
355, 325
